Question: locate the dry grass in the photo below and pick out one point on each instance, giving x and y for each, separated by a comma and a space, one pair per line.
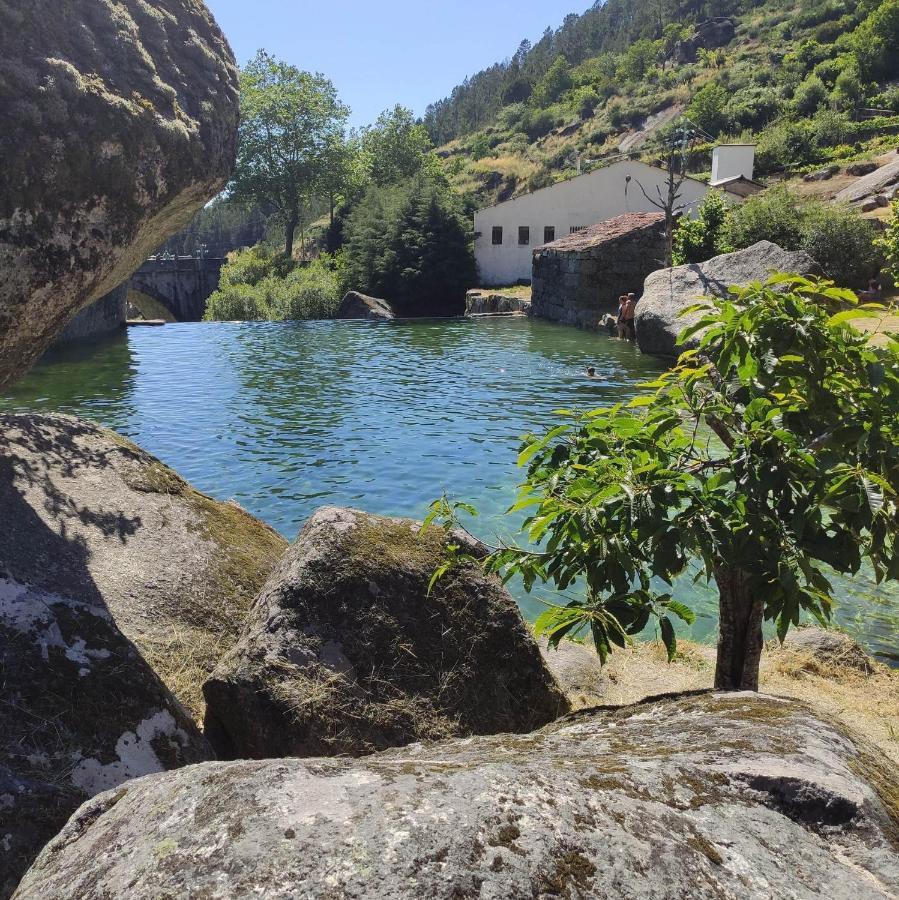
507, 165
864, 703
512, 290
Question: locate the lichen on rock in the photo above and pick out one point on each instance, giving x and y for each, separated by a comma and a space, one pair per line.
346, 651
119, 122
740, 795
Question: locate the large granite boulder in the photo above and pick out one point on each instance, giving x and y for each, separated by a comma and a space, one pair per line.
877, 181
80, 712
345, 651
119, 122
737, 796
668, 292
89, 516
360, 306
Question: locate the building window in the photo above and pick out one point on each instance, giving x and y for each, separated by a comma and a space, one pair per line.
524, 235
549, 234
576, 228
497, 234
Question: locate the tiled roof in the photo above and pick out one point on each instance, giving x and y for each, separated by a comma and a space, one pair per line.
604, 232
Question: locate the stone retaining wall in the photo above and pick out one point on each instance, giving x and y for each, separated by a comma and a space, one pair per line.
579, 278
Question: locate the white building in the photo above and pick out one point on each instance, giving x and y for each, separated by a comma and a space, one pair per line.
507, 234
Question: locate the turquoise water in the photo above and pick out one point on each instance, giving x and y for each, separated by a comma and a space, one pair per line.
287, 417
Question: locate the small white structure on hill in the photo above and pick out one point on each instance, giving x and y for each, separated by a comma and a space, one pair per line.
506, 235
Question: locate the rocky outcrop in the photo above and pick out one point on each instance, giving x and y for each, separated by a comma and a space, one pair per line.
358, 306
668, 292
113, 572
105, 316
709, 35
80, 713
119, 122
486, 303
703, 796
96, 520
346, 651
876, 182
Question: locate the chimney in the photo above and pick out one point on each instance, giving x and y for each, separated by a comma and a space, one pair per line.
731, 161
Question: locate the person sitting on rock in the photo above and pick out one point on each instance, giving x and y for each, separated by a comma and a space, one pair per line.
874, 293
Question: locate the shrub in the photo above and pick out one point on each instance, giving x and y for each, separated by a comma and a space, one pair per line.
707, 108
258, 284
836, 237
848, 90
699, 239
831, 128
786, 145
769, 216
810, 96
888, 244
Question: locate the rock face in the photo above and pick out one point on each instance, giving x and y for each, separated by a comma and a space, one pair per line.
738, 796
119, 122
358, 306
485, 303
876, 181
712, 33
102, 545
668, 291
346, 653
81, 712
95, 519
105, 316
580, 277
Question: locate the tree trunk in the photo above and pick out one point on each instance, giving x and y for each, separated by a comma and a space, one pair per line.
290, 228
740, 631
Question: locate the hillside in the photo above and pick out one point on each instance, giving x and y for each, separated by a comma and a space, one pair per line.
809, 81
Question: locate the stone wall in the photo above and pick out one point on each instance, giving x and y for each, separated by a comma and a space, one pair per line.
486, 303
579, 278
104, 316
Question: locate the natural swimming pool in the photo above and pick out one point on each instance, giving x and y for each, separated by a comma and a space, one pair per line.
287, 417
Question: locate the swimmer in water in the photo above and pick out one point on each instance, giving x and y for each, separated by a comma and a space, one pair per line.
591, 372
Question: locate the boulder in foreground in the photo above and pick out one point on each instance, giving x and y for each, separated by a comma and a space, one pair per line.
739, 796
359, 306
119, 123
89, 516
669, 291
345, 652
81, 712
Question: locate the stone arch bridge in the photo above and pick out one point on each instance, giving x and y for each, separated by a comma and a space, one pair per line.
182, 284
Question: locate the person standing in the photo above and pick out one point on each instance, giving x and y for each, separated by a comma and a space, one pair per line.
628, 313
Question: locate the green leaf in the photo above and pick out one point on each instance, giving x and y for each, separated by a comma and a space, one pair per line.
668, 637
684, 613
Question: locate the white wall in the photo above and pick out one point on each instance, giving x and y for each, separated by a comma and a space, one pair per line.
732, 161
585, 200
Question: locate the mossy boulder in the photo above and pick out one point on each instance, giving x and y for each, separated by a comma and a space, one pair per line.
99, 521
119, 585
346, 652
81, 711
119, 122
699, 796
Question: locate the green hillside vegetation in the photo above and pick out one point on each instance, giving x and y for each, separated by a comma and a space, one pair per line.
797, 79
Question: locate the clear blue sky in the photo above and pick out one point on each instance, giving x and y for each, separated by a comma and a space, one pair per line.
393, 51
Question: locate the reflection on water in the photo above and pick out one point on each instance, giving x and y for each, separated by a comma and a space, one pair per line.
286, 417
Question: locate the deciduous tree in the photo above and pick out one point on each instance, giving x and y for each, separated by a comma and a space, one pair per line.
291, 122
767, 458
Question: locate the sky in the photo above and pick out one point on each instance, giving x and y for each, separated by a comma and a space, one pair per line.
385, 52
